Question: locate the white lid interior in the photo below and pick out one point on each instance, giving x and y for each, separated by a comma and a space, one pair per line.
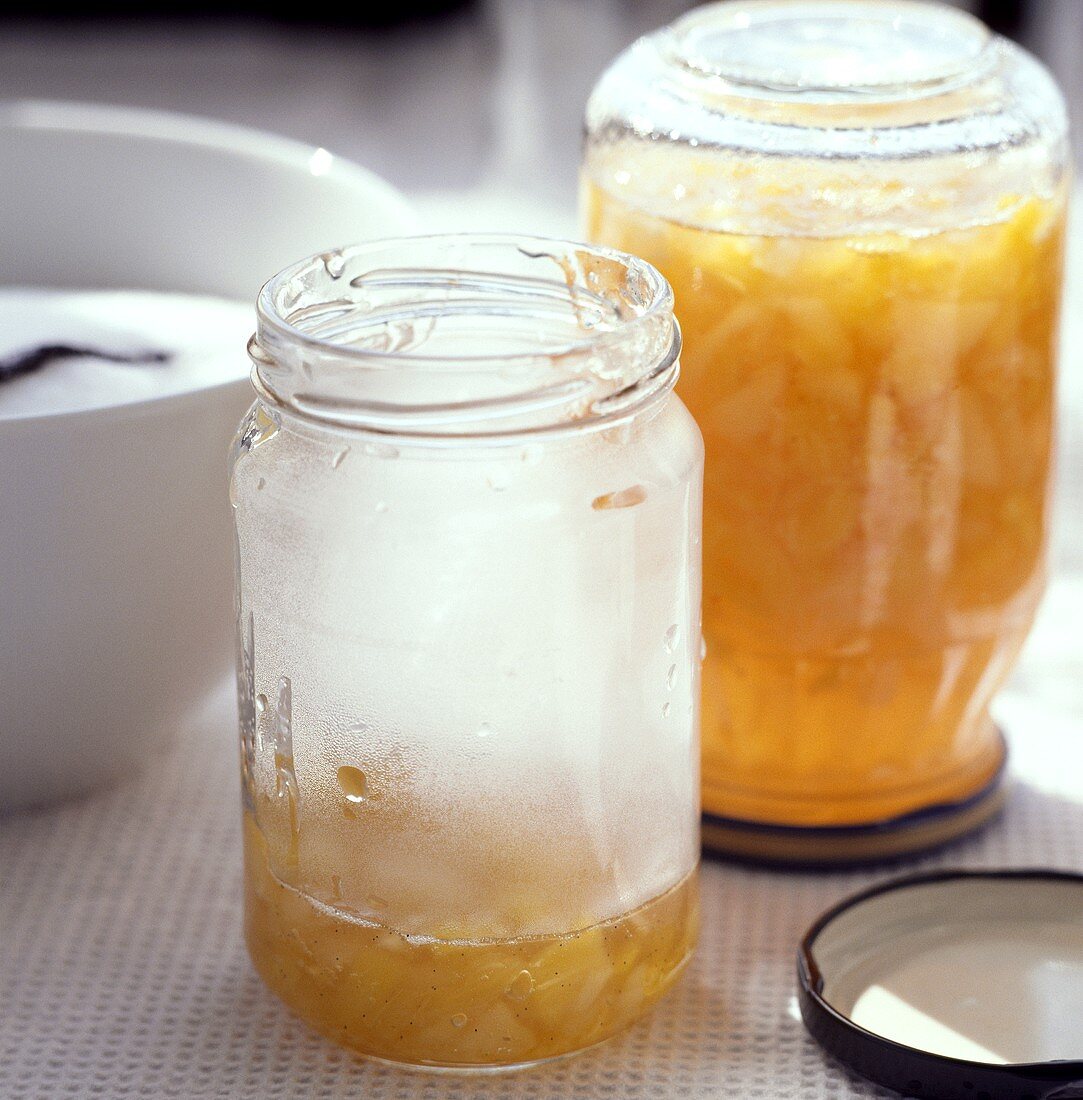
984, 968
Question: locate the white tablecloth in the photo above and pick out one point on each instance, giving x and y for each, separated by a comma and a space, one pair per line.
123, 974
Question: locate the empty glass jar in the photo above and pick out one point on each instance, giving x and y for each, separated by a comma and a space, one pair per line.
861, 209
467, 508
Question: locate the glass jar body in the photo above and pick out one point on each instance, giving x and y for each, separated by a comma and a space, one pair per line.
870, 340
469, 708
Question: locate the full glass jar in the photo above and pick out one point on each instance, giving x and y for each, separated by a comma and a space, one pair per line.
467, 509
861, 209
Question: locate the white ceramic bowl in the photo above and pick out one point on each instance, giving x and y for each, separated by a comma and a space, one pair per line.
115, 534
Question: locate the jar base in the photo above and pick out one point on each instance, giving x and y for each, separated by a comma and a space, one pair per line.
461, 1004
908, 834
491, 1069
501, 1070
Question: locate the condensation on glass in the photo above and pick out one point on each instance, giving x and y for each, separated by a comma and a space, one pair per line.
861, 209
468, 518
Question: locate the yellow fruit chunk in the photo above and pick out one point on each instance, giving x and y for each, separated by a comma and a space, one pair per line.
877, 412
461, 1003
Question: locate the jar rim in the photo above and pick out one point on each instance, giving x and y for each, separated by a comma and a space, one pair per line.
268, 314
494, 333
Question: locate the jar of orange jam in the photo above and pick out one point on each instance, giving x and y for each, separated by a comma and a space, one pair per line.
861, 209
467, 511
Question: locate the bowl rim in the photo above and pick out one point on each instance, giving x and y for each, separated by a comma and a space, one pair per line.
178, 129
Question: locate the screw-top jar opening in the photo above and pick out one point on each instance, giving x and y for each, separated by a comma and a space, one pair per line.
466, 335
833, 49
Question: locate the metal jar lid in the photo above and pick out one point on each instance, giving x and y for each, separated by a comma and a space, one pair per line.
963, 985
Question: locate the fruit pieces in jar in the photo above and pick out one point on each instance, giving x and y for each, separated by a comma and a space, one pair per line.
461, 1003
877, 412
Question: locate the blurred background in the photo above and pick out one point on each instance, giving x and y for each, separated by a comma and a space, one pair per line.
473, 107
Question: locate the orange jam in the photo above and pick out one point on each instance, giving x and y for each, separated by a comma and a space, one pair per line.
877, 412
468, 1001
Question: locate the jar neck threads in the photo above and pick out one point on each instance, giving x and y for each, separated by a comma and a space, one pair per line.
465, 335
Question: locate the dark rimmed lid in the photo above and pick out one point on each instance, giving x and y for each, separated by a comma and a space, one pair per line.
953, 985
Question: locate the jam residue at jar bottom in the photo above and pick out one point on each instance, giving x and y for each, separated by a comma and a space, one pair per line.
459, 1003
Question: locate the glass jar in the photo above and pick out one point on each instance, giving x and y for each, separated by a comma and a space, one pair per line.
861, 209
467, 509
